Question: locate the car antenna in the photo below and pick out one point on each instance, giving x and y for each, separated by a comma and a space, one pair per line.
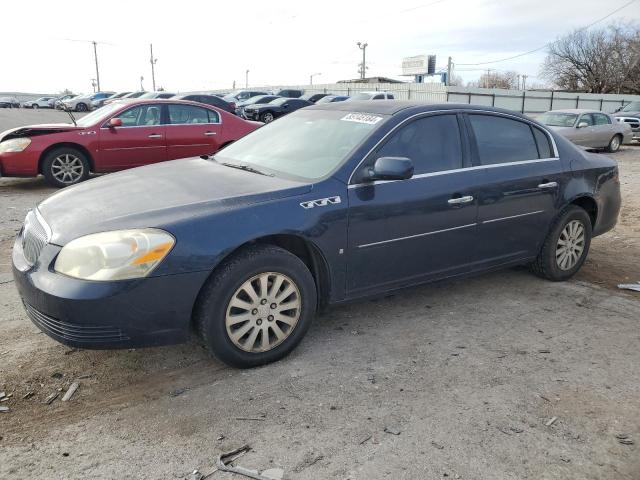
68, 110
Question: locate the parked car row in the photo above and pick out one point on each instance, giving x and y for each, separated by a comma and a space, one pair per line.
335, 202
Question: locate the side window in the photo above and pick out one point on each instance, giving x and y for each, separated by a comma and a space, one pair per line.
502, 140
141, 116
390, 96
431, 143
601, 119
542, 140
378, 97
586, 118
214, 117
186, 114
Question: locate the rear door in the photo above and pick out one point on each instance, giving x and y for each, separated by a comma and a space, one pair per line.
520, 193
192, 131
603, 129
139, 141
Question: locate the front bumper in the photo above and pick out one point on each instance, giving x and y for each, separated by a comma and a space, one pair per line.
103, 315
20, 164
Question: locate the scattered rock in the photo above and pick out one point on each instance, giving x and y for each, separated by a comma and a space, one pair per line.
551, 421
57, 375
177, 392
4, 409
437, 445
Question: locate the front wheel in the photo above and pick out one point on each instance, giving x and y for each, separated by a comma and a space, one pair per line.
63, 167
566, 246
614, 144
35, 106
257, 306
266, 117
81, 107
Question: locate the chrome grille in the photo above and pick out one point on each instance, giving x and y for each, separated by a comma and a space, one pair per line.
34, 237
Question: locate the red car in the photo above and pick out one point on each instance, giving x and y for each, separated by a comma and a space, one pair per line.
123, 134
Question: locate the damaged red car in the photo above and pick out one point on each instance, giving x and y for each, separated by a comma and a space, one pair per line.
123, 134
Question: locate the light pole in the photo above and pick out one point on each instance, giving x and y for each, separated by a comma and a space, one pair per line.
153, 61
311, 77
363, 65
95, 56
141, 80
246, 79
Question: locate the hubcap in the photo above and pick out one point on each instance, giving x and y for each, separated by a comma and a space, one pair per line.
263, 312
615, 143
67, 168
268, 117
570, 245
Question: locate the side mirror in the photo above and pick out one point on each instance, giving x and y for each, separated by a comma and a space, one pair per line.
115, 122
618, 109
391, 168
583, 124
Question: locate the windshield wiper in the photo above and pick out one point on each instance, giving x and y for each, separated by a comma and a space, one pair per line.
68, 110
246, 168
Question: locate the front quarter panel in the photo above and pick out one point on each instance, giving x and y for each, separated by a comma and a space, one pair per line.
205, 240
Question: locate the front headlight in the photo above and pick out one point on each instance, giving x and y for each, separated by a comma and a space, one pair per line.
117, 255
15, 144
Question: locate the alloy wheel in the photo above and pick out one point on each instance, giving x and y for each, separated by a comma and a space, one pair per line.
570, 245
263, 312
615, 143
67, 168
268, 117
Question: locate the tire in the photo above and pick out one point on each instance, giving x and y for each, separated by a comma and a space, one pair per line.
81, 107
65, 166
550, 263
228, 284
267, 117
614, 144
35, 106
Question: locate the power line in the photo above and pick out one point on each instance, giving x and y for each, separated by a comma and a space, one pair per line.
550, 43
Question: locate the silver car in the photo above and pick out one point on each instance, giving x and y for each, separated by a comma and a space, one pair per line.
588, 128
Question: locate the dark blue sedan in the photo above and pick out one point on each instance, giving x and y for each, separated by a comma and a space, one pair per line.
332, 203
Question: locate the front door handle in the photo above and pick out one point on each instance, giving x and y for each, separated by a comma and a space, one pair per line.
460, 200
548, 185
155, 135
209, 134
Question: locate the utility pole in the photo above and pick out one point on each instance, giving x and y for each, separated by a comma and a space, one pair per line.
363, 65
153, 61
524, 82
95, 55
518, 82
311, 77
246, 79
449, 68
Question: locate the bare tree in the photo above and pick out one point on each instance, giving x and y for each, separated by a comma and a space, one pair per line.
494, 79
456, 81
606, 60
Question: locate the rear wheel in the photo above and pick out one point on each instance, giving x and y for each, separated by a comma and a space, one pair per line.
614, 144
81, 107
65, 166
257, 306
566, 246
35, 106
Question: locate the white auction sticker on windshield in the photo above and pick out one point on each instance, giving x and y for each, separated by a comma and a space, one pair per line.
362, 118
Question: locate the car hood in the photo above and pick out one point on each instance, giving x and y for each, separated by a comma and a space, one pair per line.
263, 106
626, 114
158, 196
34, 130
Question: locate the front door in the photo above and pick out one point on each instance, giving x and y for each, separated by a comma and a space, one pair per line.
521, 185
139, 141
192, 131
402, 232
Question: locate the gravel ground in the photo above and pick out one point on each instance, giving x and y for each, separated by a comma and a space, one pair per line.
457, 380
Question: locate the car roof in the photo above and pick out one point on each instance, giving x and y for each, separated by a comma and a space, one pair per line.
575, 110
392, 107
138, 101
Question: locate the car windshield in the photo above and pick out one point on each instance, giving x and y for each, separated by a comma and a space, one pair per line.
98, 114
631, 107
304, 145
558, 119
361, 96
279, 101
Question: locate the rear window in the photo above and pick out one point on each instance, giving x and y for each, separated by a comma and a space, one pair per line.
502, 140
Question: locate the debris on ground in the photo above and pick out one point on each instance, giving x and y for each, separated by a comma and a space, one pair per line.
630, 286
551, 421
437, 445
393, 430
49, 400
57, 375
254, 419
544, 350
223, 464
624, 439
195, 475
72, 389
4, 409
27, 395
365, 439
177, 392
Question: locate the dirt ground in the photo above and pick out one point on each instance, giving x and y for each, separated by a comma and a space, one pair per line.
451, 380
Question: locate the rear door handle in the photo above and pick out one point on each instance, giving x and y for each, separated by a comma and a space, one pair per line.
460, 200
209, 134
548, 185
155, 135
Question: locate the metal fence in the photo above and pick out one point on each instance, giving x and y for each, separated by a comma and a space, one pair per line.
530, 102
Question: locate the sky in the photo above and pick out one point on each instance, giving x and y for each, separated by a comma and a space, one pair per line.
207, 45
